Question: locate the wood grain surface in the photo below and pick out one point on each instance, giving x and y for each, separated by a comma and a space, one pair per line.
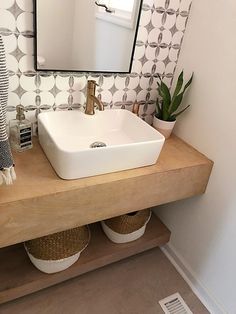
41, 203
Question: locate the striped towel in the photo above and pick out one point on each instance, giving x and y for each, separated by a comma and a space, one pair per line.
7, 173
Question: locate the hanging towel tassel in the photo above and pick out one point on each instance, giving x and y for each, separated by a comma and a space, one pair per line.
1, 178
13, 173
7, 176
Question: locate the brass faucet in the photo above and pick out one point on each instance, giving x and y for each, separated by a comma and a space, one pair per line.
92, 99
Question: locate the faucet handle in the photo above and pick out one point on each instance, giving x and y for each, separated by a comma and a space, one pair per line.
92, 83
135, 108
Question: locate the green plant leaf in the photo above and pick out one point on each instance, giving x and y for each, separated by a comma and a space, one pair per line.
174, 116
179, 84
188, 83
165, 112
159, 78
166, 100
165, 93
176, 101
158, 109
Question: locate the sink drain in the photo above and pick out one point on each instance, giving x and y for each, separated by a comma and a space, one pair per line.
97, 144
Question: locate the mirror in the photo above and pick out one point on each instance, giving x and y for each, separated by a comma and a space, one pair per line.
86, 35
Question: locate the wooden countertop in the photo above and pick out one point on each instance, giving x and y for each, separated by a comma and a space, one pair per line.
41, 203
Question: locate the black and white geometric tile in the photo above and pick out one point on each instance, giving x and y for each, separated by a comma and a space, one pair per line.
161, 30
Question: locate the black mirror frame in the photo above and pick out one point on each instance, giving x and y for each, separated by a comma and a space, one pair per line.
82, 71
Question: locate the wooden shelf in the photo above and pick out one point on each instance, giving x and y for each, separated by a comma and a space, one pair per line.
19, 277
41, 203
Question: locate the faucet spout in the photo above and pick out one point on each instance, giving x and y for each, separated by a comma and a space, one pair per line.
92, 99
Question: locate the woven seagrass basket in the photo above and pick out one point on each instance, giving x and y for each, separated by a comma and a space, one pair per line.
56, 252
127, 228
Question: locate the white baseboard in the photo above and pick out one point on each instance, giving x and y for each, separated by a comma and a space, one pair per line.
196, 286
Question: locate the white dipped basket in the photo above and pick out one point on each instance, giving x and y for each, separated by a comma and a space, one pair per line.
126, 228
57, 252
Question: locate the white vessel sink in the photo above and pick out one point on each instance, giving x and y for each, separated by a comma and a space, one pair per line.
66, 138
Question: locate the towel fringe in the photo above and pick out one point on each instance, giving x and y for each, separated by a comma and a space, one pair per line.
1, 178
7, 176
13, 173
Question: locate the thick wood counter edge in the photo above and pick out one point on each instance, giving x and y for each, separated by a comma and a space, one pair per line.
40, 203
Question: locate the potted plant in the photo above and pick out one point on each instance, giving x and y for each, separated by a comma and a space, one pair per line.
167, 106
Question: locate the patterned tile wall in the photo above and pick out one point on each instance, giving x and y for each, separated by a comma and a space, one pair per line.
160, 35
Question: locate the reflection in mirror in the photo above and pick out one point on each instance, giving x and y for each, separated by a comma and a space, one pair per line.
86, 35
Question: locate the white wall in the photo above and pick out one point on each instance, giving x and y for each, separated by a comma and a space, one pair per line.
83, 47
99, 44
50, 20
114, 44
204, 228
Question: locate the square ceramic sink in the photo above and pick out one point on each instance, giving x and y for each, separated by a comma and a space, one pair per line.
78, 145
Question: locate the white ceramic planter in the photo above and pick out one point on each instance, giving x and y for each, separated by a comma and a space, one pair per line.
124, 238
164, 127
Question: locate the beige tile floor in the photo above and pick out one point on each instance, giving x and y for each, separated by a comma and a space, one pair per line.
132, 286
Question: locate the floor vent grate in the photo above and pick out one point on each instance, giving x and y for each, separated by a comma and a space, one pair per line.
174, 304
